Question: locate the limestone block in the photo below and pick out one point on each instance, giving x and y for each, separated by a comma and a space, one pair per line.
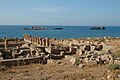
1, 58
117, 62
86, 60
48, 50
81, 65
92, 48
72, 60
0, 54
80, 52
104, 57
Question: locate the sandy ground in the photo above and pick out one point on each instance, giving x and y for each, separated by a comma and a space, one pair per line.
57, 70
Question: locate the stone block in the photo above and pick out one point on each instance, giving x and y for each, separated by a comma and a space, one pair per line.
117, 62
81, 65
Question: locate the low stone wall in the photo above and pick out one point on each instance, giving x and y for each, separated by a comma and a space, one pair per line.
23, 61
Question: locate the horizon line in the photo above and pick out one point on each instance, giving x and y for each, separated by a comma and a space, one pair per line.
51, 25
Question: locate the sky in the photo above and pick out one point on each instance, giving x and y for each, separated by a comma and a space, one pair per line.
60, 12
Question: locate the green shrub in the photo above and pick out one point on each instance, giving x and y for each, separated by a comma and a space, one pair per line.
113, 66
77, 61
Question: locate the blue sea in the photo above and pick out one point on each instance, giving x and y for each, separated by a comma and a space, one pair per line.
17, 31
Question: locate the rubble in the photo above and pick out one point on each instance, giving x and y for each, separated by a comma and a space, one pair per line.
87, 51
76, 53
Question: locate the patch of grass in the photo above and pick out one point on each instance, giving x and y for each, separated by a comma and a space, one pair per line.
77, 61
3, 67
113, 66
116, 54
101, 40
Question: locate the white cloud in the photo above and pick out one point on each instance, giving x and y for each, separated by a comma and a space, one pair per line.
42, 9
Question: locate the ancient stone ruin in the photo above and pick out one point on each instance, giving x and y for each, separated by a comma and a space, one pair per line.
39, 50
